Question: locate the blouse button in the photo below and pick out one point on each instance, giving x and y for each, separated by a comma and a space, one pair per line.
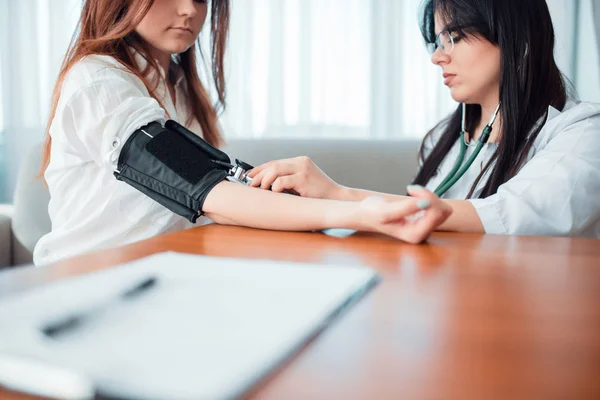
115, 143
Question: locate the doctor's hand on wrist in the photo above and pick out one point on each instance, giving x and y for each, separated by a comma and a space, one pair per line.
411, 220
298, 174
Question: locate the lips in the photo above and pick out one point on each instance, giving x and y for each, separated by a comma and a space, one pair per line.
182, 29
448, 78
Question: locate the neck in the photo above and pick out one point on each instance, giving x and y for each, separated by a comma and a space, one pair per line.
164, 60
486, 113
487, 110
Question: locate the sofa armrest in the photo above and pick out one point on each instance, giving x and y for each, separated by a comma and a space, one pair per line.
5, 240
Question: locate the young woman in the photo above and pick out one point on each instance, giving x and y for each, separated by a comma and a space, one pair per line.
518, 157
133, 63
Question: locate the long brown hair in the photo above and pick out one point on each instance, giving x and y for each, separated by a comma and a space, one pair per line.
107, 27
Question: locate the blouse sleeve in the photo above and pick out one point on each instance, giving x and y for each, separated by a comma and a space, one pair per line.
98, 117
556, 193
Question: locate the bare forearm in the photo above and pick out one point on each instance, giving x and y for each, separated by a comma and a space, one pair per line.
350, 194
464, 217
233, 204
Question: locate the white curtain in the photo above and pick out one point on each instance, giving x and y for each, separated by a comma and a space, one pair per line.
576, 50
596, 17
296, 68
334, 68
34, 36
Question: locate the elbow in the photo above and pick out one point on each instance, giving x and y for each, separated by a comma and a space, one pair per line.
219, 219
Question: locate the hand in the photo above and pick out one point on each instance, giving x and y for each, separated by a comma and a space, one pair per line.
412, 220
298, 174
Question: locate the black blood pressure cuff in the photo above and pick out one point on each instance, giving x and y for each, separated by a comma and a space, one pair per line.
173, 166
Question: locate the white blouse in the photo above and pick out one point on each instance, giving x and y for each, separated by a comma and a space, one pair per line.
557, 191
101, 104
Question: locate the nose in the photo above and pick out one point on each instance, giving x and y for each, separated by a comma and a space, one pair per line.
439, 57
187, 8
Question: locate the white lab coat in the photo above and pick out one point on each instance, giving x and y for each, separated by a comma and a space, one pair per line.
556, 193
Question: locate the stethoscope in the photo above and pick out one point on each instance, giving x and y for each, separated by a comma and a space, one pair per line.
458, 170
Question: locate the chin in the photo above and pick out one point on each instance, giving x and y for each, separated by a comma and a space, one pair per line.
459, 96
176, 48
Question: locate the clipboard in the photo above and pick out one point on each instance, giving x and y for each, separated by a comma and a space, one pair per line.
211, 328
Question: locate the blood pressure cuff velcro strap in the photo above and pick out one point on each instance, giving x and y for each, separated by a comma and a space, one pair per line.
173, 166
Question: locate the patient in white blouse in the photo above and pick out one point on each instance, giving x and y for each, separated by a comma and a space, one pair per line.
518, 157
133, 63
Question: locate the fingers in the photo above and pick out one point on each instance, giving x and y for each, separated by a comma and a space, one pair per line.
275, 163
256, 170
442, 209
267, 179
284, 183
421, 193
413, 220
267, 173
418, 230
257, 173
403, 209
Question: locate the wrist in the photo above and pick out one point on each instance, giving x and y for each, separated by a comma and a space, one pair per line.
341, 193
344, 214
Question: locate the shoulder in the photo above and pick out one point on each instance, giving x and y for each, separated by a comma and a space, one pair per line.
95, 70
101, 93
572, 132
574, 113
582, 111
576, 119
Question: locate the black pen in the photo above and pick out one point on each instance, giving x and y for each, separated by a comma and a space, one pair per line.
57, 328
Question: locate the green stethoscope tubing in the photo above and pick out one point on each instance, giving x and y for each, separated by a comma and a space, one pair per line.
458, 170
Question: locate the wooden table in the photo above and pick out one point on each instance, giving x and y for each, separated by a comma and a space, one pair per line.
461, 317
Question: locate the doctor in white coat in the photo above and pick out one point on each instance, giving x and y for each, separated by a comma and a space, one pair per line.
519, 156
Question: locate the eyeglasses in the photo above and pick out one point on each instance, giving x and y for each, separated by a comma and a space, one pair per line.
444, 41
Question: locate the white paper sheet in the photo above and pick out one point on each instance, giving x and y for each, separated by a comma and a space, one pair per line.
211, 328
